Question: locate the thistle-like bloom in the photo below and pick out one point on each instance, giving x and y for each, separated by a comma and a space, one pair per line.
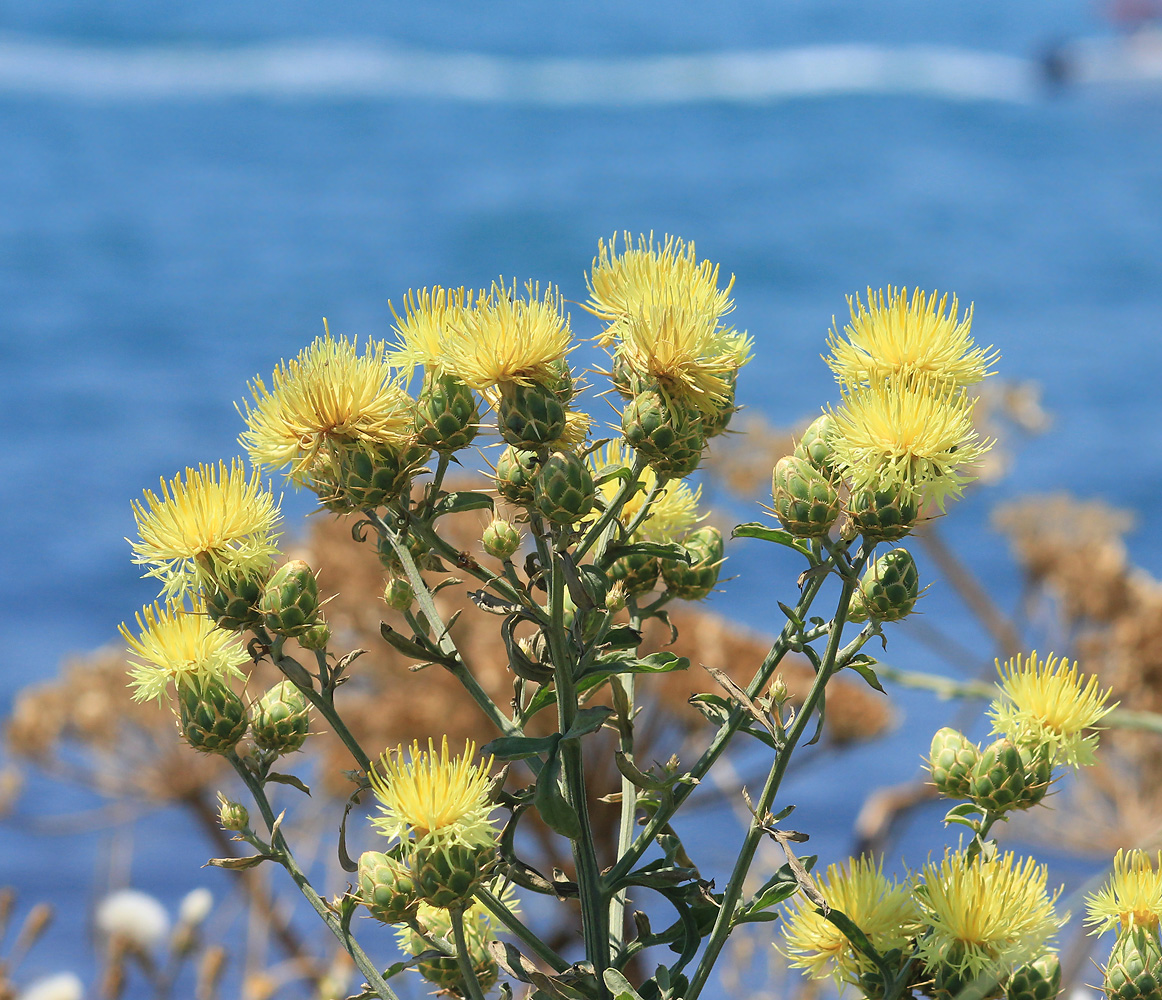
431, 319
433, 797
895, 339
886, 912
682, 346
328, 398
179, 645
507, 338
621, 285
914, 439
1131, 898
1049, 703
215, 519
673, 513
986, 917
576, 429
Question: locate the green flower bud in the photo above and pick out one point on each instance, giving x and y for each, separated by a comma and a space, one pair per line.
232, 602
445, 973
717, 422
290, 603
615, 597
447, 415
951, 761
625, 380
997, 783
564, 385
279, 721
500, 539
530, 416
447, 874
212, 717
1038, 765
882, 515
232, 815
1134, 970
636, 573
694, 582
390, 560
890, 586
1039, 980
398, 594
370, 477
563, 488
316, 637
387, 888
667, 433
815, 446
515, 470
805, 501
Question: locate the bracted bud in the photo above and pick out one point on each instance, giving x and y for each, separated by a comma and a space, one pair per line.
563, 384
399, 594
806, 502
232, 815
637, 573
530, 416
447, 874
625, 380
615, 597
447, 415
716, 422
667, 433
882, 515
290, 603
279, 720
316, 637
951, 981
232, 599
371, 476
444, 972
890, 586
515, 470
1134, 970
1038, 764
500, 539
563, 488
389, 559
815, 446
387, 888
1039, 980
213, 718
998, 781
951, 761
694, 582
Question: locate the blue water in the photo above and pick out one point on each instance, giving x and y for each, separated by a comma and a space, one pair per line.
159, 246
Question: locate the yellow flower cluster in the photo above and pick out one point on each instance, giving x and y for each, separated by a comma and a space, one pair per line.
1131, 898
905, 423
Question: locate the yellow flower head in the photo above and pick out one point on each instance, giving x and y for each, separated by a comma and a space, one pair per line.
673, 513
621, 285
510, 339
216, 519
430, 322
913, 439
681, 346
576, 430
986, 916
1049, 703
886, 912
434, 797
328, 398
179, 645
1131, 898
894, 338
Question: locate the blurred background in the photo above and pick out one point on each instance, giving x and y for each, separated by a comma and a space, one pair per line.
186, 190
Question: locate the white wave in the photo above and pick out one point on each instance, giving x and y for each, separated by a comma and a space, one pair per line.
336, 70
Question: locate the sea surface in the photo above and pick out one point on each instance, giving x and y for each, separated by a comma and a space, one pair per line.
186, 190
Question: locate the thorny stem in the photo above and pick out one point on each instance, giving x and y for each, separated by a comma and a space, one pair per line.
725, 920
279, 843
463, 958
495, 905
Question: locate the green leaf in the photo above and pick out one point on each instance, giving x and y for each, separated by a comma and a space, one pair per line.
588, 720
862, 665
755, 529
407, 646
558, 814
520, 747
671, 551
454, 503
619, 986
622, 637
654, 663
288, 779
239, 864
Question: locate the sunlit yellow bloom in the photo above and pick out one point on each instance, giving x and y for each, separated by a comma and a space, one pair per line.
1049, 703
986, 916
683, 347
179, 645
887, 913
673, 513
507, 338
576, 430
1131, 898
327, 398
216, 518
621, 285
913, 439
430, 322
434, 797
894, 338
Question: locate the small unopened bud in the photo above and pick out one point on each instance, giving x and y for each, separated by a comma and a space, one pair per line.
232, 815
290, 603
213, 718
500, 539
279, 720
398, 594
779, 692
316, 637
615, 597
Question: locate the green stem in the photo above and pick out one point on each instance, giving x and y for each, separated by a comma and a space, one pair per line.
644, 511
733, 891
279, 843
628, 815
628, 488
496, 906
463, 958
